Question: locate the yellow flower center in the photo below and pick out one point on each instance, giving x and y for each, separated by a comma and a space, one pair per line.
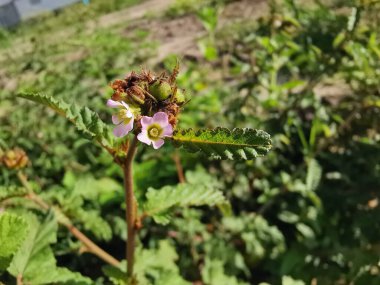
122, 114
154, 131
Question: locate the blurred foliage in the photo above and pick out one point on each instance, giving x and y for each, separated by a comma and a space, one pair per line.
305, 214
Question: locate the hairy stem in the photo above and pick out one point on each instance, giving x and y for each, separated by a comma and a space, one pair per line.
131, 207
89, 244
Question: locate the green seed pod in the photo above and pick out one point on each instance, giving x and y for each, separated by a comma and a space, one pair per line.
180, 96
160, 90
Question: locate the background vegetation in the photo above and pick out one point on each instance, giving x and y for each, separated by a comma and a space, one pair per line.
307, 72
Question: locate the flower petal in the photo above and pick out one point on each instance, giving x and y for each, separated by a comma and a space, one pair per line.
130, 124
168, 131
158, 143
116, 120
123, 129
146, 121
129, 114
161, 118
120, 131
143, 137
125, 105
114, 104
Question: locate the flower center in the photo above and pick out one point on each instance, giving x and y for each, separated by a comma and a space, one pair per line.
123, 116
154, 131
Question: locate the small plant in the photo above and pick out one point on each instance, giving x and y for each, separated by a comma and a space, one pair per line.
146, 113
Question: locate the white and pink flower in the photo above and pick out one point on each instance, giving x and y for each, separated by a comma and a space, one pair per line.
154, 129
123, 119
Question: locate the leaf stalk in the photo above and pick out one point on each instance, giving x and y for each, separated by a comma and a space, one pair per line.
89, 244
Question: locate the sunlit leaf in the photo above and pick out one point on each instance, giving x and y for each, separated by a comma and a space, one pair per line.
13, 230
224, 143
84, 119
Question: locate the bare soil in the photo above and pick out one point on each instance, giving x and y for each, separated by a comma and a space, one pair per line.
178, 35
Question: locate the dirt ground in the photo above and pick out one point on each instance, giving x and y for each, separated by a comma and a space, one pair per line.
177, 35
180, 35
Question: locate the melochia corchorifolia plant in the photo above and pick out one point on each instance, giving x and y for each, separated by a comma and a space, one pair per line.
146, 109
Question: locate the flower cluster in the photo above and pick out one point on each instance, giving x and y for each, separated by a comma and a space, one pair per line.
147, 104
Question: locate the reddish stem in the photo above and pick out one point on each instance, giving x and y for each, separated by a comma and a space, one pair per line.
131, 207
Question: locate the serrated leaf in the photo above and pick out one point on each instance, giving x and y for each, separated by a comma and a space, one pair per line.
223, 143
261, 239
90, 188
159, 264
94, 223
34, 260
84, 119
152, 266
159, 202
11, 191
39, 238
13, 230
66, 277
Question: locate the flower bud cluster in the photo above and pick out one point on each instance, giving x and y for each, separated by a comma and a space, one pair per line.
147, 103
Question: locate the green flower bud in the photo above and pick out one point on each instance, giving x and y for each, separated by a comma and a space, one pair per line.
160, 90
180, 96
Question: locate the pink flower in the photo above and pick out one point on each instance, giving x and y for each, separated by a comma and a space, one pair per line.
123, 119
155, 129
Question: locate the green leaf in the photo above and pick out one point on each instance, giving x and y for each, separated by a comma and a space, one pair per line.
38, 239
35, 261
159, 264
11, 191
261, 239
314, 175
159, 202
306, 231
66, 277
85, 120
339, 39
213, 274
93, 222
116, 275
13, 230
156, 266
287, 280
223, 143
92, 189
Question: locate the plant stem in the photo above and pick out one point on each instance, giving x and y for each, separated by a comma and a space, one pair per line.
131, 207
90, 245
178, 165
19, 280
